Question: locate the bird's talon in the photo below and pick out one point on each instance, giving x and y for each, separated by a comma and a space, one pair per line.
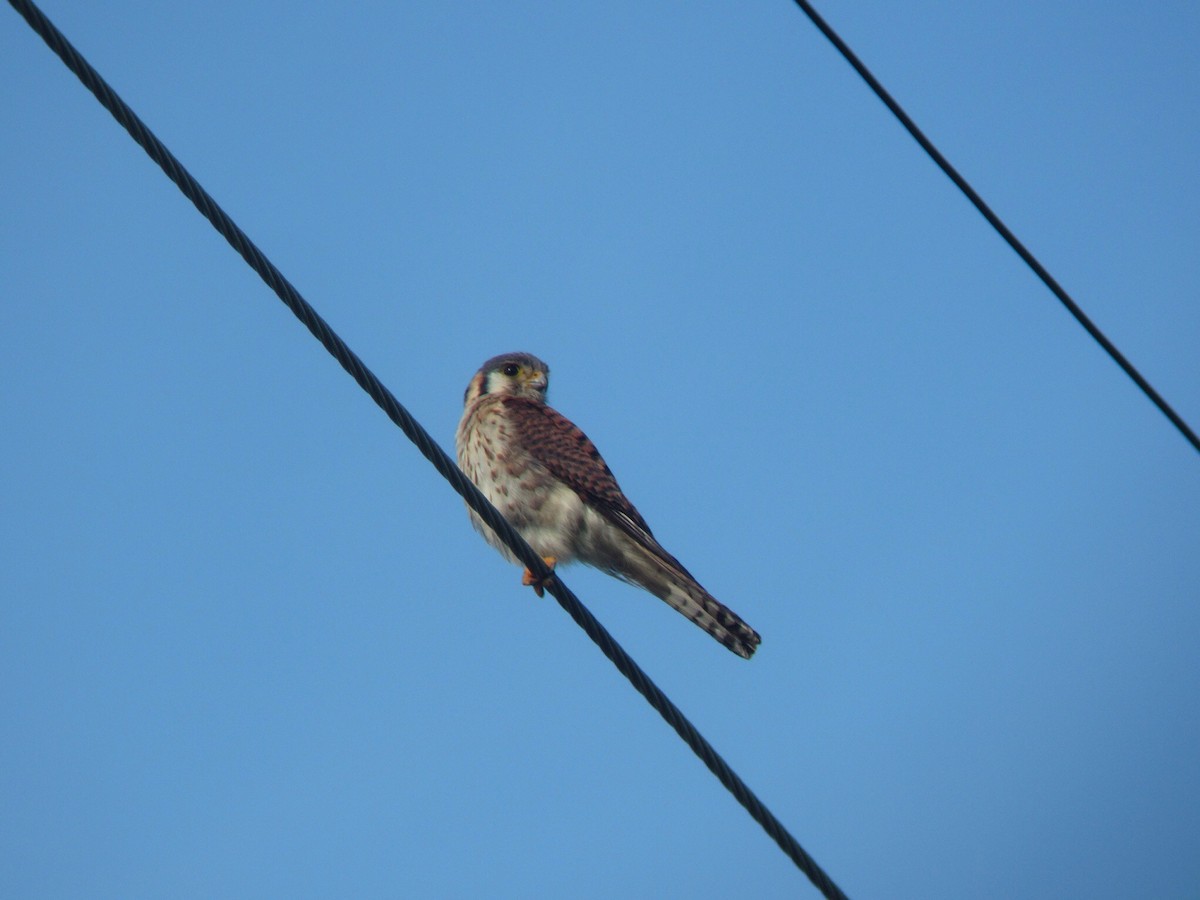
539, 584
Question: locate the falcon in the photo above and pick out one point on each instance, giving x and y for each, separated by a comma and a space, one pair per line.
544, 475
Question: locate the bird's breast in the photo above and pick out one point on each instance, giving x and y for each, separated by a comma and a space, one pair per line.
546, 511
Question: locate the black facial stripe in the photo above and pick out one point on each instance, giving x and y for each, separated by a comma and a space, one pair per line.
483, 387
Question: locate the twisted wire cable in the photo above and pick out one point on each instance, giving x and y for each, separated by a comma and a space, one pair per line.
424, 442
995, 221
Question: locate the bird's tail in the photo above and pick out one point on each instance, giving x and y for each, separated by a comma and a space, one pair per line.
673, 583
715, 617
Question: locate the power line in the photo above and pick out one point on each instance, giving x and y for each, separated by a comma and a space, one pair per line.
986, 211
419, 436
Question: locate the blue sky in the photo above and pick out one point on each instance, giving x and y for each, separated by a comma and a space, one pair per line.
249, 643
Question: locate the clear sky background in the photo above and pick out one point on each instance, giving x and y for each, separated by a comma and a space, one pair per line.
249, 643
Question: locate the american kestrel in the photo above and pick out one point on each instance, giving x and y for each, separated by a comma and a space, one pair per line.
549, 481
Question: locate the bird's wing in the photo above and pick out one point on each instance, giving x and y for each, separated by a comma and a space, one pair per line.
567, 453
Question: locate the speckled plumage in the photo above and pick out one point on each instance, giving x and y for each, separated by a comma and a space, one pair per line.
551, 483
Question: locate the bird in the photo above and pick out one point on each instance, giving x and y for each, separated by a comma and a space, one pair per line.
548, 480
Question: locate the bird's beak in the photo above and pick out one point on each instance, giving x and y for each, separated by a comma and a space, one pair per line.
537, 381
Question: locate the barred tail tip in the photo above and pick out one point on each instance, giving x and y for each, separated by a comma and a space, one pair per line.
743, 642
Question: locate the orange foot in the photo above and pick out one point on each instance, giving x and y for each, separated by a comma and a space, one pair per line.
539, 584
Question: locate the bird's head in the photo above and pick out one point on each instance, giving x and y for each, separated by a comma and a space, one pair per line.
510, 375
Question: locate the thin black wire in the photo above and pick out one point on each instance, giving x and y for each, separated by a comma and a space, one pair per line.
1030, 260
419, 436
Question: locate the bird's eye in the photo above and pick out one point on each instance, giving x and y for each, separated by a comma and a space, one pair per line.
511, 369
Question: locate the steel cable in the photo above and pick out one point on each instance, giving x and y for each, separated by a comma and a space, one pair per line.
424, 442
994, 220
